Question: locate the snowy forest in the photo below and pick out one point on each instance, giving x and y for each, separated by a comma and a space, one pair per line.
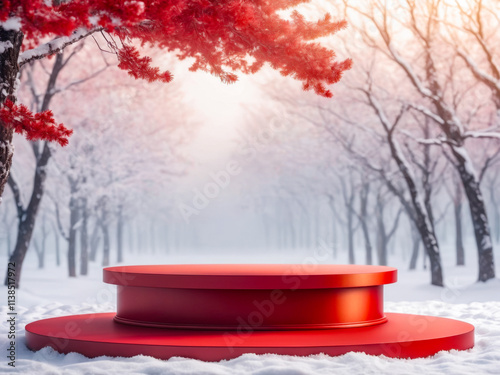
399, 167
402, 163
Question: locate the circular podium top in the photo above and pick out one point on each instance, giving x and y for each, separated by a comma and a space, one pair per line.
250, 276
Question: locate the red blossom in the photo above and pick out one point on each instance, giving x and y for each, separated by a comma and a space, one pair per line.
35, 126
221, 37
140, 67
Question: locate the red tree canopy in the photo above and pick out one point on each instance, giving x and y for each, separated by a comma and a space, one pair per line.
223, 36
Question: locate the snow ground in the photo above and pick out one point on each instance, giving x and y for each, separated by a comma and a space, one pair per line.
47, 293
482, 359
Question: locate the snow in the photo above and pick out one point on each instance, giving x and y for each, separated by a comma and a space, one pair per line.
53, 46
409, 71
13, 23
469, 167
401, 156
5, 45
482, 134
486, 242
427, 112
48, 293
484, 77
483, 358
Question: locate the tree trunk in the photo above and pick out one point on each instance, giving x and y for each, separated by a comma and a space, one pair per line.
8, 74
459, 245
363, 217
55, 231
8, 229
331, 203
457, 209
350, 236
478, 214
105, 232
94, 243
28, 216
84, 239
73, 207
420, 216
6, 151
58, 252
429, 240
119, 235
416, 246
496, 211
381, 237
9, 241
39, 254
9, 70
105, 237
368, 244
349, 197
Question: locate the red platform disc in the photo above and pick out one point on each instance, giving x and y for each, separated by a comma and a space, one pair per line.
250, 276
275, 297
403, 336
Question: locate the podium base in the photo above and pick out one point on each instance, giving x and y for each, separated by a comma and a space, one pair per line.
402, 336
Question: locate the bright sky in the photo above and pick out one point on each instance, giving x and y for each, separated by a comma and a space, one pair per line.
221, 109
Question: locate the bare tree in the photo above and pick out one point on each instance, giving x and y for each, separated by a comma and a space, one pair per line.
41, 100
40, 243
423, 22
363, 217
349, 195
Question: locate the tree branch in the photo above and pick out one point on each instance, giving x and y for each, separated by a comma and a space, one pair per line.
59, 224
54, 46
17, 196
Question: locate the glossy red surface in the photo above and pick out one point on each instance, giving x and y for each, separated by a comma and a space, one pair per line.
275, 309
214, 312
403, 336
250, 276
275, 297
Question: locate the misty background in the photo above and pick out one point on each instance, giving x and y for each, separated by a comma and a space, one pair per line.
261, 171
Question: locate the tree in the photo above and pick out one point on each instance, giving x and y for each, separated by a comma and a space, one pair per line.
105, 168
248, 29
432, 73
456, 195
40, 100
221, 37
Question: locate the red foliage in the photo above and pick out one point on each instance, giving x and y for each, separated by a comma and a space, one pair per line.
222, 36
140, 67
34, 125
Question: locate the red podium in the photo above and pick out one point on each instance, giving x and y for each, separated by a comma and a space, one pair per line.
214, 312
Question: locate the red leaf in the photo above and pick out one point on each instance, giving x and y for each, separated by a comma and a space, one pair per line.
35, 126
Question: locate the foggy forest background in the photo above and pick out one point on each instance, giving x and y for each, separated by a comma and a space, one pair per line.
401, 167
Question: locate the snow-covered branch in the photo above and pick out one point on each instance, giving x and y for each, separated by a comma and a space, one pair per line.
481, 75
410, 73
428, 113
481, 134
54, 46
425, 141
